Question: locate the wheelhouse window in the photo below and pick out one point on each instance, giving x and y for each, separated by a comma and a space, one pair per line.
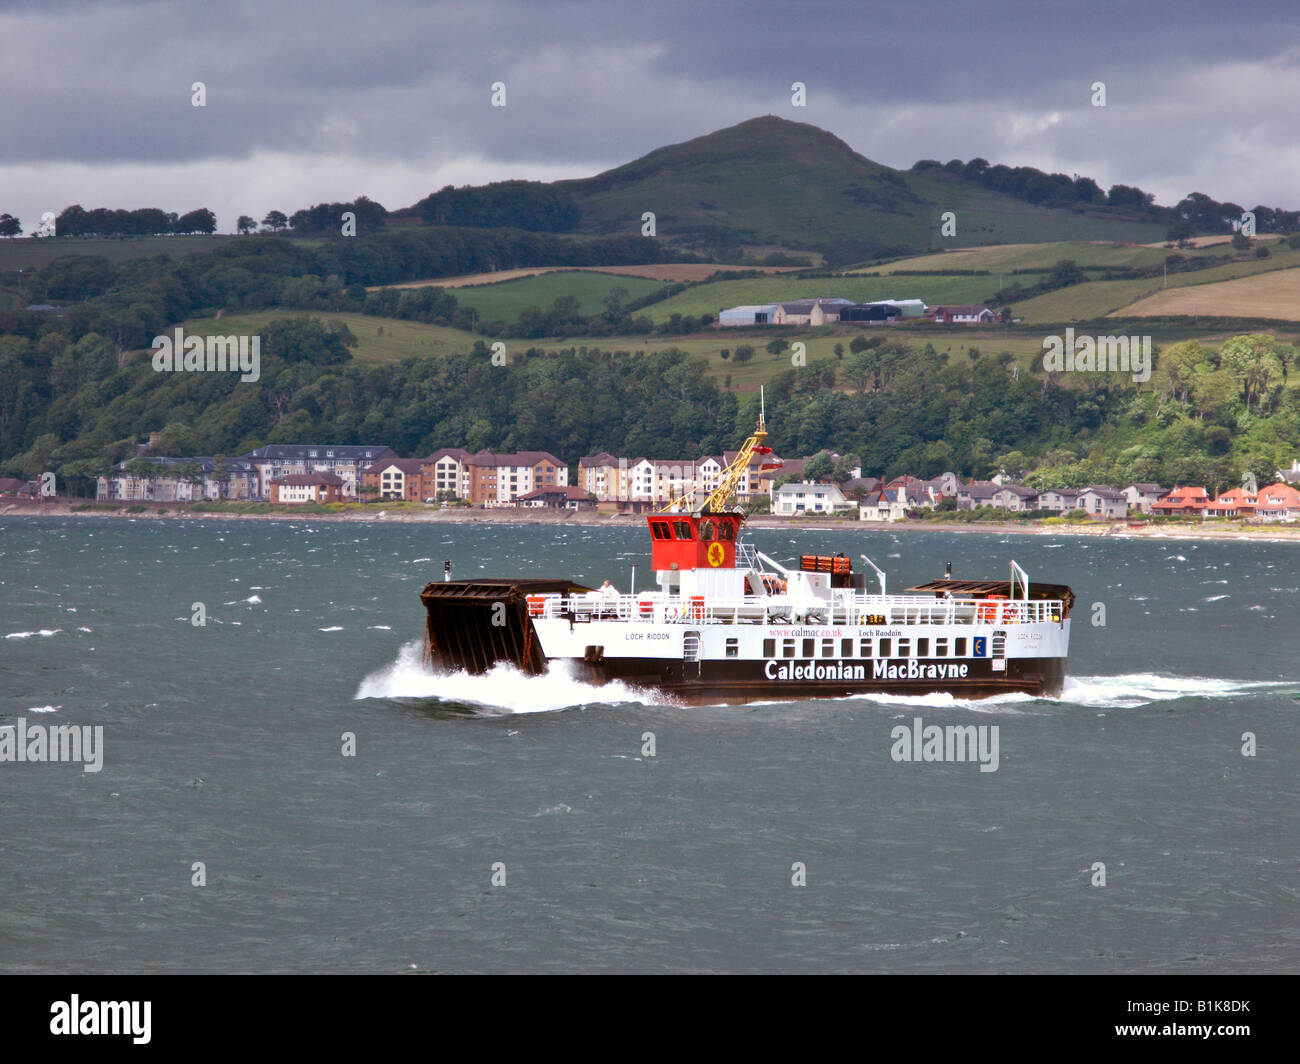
682, 529
707, 533
726, 530
660, 530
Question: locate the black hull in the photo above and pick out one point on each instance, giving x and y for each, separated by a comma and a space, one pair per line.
739, 682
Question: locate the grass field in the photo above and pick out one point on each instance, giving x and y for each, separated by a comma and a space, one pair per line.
1008, 257
710, 298
1092, 299
503, 302
662, 271
385, 340
378, 339
1098, 299
25, 253
1270, 295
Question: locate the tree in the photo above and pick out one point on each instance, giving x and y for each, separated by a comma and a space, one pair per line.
859, 372
1252, 362
1285, 355
839, 350
9, 225
275, 221
743, 353
844, 467
1240, 241
197, 221
819, 466
777, 345
245, 225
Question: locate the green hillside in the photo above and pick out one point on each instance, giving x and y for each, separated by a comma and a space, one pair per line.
773, 182
1040, 256
1096, 299
504, 301
379, 340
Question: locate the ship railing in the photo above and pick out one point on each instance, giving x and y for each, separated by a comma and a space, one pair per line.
926, 609
746, 556
845, 608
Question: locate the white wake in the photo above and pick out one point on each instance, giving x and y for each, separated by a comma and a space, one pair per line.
502, 688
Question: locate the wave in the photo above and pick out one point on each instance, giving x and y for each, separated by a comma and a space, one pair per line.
1142, 688
502, 689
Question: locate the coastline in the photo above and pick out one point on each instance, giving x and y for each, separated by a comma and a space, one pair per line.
524, 517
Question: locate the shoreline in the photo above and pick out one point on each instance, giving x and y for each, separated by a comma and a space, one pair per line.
462, 516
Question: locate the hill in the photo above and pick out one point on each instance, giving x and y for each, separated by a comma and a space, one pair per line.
770, 182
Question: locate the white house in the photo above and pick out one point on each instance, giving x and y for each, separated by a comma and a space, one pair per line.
891, 504
969, 314
806, 498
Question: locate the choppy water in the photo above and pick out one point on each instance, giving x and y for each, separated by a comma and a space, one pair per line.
222, 745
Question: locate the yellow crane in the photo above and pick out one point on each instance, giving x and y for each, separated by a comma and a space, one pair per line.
730, 479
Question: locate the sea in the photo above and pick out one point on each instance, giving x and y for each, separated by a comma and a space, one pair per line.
280, 784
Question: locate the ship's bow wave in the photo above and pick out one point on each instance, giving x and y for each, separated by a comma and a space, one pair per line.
502, 689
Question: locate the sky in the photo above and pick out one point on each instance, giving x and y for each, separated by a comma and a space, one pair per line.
310, 101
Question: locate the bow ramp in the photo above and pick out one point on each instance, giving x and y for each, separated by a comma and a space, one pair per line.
473, 624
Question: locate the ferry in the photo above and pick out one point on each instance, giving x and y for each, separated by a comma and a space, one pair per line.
726, 623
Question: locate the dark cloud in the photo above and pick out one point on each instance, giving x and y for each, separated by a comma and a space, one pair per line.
98, 93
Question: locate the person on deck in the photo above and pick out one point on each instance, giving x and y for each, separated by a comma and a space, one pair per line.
611, 597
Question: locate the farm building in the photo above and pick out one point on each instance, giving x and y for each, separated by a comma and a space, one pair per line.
810, 311
871, 312
754, 314
969, 314
908, 308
